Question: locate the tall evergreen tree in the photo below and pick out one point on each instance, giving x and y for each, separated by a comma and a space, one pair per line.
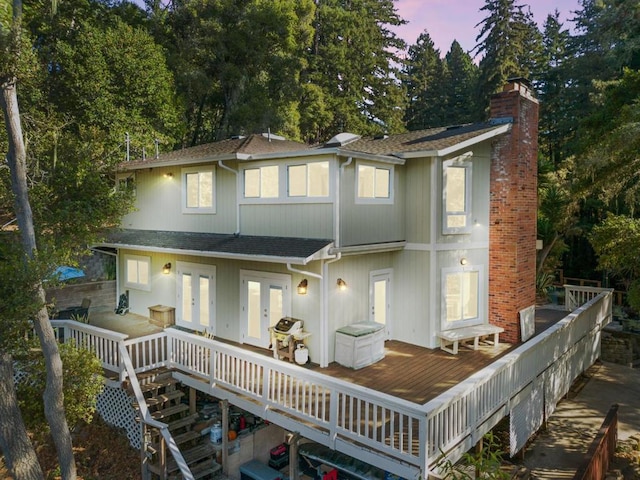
461, 78
510, 43
551, 87
353, 60
424, 79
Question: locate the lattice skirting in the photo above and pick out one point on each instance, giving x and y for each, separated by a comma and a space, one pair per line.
114, 406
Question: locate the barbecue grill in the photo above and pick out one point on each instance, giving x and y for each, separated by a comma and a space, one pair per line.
286, 335
287, 326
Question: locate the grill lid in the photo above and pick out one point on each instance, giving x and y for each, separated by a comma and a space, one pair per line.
288, 325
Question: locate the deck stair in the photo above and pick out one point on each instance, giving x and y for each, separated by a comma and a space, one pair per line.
167, 403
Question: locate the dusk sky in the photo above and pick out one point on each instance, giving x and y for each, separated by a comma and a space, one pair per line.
448, 20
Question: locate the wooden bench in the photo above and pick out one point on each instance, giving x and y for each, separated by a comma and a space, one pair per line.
449, 339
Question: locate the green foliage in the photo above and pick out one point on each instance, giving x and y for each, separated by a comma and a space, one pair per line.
544, 284
17, 280
487, 462
511, 45
616, 242
82, 384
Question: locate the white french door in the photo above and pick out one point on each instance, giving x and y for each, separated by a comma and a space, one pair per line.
380, 299
195, 292
265, 298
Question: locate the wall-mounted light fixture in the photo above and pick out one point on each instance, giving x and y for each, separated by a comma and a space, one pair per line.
463, 261
168, 175
167, 268
342, 285
302, 287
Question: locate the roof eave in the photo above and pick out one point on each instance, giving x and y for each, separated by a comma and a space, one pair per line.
182, 162
319, 255
458, 146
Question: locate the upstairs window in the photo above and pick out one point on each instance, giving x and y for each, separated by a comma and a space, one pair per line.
261, 182
308, 180
374, 184
199, 190
456, 197
137, 272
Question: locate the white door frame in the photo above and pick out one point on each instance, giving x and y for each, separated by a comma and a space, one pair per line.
384, 275
266, 280
196, 270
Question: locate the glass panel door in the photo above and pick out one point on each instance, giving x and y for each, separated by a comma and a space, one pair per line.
266, 300
195, 296
380, 299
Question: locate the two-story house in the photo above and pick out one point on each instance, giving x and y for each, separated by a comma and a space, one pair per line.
422, 232
427, 234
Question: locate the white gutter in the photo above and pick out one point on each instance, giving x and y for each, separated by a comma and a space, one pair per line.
237, 174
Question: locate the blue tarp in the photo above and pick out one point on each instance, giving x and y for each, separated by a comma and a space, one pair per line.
67, 273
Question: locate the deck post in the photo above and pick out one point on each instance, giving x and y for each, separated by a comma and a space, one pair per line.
293, 440
192, 400
224, 407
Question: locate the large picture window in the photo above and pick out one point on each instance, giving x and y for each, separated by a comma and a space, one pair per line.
374, 184
461, 297
308, 180
199, 190
137, 272
456, 195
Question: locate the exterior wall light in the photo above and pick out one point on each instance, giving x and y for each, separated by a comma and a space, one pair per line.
168, 175
463, 261
342, 285
302, 287
167, 268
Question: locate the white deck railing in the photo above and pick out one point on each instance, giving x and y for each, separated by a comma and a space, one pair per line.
337, 412
576, 296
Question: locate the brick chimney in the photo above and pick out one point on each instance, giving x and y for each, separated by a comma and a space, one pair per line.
513, 207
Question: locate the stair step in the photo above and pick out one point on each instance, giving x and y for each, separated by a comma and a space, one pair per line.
157, 384
183, 422
194, 455
206, 468
186, 437
170, 411
163, 398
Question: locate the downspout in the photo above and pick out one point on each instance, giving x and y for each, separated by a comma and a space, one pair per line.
236, 173
324, 309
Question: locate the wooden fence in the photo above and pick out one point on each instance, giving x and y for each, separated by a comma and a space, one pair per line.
602, 449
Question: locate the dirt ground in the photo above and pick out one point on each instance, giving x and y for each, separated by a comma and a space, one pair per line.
102, 453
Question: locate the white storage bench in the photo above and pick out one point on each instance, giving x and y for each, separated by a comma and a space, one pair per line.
359, 344
449, 339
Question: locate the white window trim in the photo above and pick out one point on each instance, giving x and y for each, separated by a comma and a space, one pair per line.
479, 320
139, 259
183, 180
380, 200
283, 184
458, 162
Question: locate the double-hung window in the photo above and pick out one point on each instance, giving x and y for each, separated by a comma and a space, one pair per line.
374, 184
456, 196
137, 272
198, 190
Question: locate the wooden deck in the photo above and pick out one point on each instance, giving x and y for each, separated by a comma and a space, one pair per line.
413, 373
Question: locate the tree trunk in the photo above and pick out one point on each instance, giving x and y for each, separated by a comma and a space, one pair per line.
19, 455
53, 394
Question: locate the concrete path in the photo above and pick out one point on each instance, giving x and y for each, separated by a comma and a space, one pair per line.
557, 452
